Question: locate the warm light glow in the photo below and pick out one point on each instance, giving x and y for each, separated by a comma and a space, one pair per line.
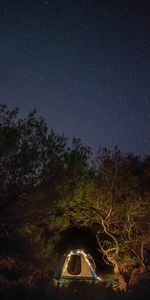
86, 258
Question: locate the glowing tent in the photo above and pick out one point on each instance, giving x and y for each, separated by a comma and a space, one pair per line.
76, 265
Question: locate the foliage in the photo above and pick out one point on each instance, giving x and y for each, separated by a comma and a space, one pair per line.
48, 184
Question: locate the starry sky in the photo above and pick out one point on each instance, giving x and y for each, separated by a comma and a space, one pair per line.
83, 64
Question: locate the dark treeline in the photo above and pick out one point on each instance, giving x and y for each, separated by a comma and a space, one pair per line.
49, 184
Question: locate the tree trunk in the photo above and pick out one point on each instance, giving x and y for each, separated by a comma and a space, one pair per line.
143, 267
122, 283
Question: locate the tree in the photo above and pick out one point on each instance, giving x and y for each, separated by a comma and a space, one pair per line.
29, 154
76, 185
48, 184
21, 157
117, 205
31, 165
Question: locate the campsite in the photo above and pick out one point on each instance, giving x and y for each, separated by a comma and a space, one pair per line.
74, 150
71, 225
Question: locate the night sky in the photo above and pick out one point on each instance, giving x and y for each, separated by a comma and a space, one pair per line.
84, 64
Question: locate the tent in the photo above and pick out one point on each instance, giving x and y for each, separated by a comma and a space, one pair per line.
76, 265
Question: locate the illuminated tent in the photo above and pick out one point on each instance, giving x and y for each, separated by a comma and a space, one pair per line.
76, 265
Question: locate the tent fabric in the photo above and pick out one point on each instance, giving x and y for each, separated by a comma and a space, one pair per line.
76, 264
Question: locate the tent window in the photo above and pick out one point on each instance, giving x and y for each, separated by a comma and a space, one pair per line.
74, 265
